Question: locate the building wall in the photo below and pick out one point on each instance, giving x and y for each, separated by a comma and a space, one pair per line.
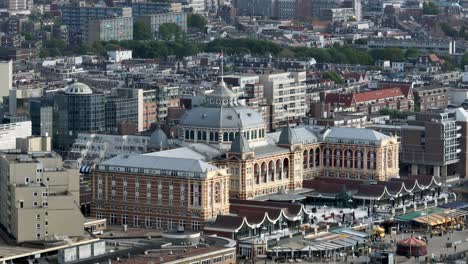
118, 28
158, 201
154, 21
6, 78
10, 132
40, 198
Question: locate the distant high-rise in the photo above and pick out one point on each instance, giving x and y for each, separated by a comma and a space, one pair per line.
15, 5
6, 78
357, 9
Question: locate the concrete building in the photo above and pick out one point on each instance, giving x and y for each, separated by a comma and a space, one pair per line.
285, 92
76, 17
120, 55
146, 8
265, 8
430, 144
109, 28
441, 46
6, 78
10, 132
39, 197
42, 117
154, 21
17, 5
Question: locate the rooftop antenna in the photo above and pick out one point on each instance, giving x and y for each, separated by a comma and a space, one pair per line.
221, 56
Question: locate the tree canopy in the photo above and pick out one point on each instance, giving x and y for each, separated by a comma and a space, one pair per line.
196, 21
170, 31
141, 31
430, 8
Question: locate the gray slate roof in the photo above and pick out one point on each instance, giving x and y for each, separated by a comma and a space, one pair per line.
222, 117
240, 144
355, 133
160, 163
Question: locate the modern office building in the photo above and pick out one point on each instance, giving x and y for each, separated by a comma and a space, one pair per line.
42, 116
285, 92
10, 132
76, 17
109, 28
120, 110
77, 110
440, 46
154, 21
39, 197
430, 144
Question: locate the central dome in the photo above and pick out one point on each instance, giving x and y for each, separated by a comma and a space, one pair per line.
78, 88
220, 120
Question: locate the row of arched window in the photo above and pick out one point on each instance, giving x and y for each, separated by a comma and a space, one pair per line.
226, 136
347, 158
271, 171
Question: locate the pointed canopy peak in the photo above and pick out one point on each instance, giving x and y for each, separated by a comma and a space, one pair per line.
222, 95
240, 144
288, 136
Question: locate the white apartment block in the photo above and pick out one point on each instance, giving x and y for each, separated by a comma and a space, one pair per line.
285, 92
6, 78
40, 198
11, 131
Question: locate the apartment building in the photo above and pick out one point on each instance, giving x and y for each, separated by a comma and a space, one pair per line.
440, 46
76, 17
154, 21
109, 28
40, 198
285, 92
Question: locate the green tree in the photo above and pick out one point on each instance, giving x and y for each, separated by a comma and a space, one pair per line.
430, 8
391, 54
141, 31
412, 53
448, 30
196, 21
333, 76
170, 31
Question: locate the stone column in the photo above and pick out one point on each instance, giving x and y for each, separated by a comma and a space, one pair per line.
436, 171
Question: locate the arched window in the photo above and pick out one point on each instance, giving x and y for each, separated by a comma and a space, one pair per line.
286, 168
204, 135
264, 172
278, 170
390, 158
216, 136
199, 135
327, 155
338, 158
358, 159
217, 192
371, 160
257, 173
211, 136
226, 136
317, 157
348, 158
192, 134
187, 134
305, 157
231, 136
271, 170
311, 158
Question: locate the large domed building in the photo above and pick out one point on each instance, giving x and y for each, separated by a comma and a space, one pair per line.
219, 121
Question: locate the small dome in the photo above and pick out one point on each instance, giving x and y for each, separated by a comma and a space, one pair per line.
158, 139
288, 137
240, 144
78, 88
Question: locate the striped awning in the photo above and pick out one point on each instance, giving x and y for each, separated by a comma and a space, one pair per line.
86, 169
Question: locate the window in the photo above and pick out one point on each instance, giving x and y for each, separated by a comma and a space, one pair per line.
158, 223
38, 226
147, 222
35, 204
99, 215
170, 224
45, 194
35, 194
217, 191
21, 204
26, 180
113, 219
38, 217
124, 219
206, 261
136, 220
195, 226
